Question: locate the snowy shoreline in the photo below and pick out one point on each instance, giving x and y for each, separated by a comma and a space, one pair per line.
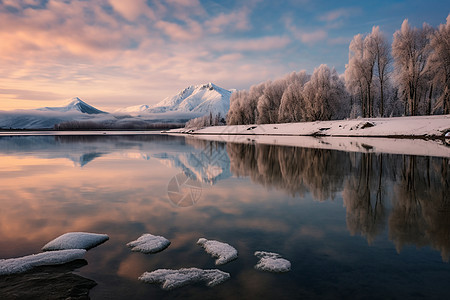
417, 127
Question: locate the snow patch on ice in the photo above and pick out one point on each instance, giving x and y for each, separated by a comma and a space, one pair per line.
170, 279
148, 243
26, 263
222, 251
272, 262
76, 240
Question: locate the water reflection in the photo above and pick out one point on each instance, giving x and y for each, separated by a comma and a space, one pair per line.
420, 213
119, 186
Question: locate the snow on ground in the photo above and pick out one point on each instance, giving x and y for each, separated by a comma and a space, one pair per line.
26, 263
222, 251
76, 240
417, 126
170, 279
272, 262
148, 243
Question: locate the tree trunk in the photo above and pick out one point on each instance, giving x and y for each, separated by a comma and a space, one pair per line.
429, 100
381, 98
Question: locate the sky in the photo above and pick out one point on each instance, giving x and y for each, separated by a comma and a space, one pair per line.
119, 53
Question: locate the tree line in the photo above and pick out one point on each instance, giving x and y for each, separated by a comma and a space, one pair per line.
409, 77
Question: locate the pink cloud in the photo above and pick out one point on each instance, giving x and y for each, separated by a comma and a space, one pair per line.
311, 37
176, 32
307, 37
132, 9
186, 3
237, 21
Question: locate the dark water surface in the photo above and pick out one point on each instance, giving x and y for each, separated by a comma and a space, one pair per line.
353, 225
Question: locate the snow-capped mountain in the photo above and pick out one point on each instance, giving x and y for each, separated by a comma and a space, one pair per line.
48, 117
76, 104
199, 99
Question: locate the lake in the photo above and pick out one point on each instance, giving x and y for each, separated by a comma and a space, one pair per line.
360, 225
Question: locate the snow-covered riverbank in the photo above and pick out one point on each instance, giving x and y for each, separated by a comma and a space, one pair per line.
408, 127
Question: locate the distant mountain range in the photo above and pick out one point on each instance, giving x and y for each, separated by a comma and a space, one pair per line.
192, 102
199, 99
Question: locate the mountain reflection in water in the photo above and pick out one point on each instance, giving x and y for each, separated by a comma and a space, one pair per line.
339, 217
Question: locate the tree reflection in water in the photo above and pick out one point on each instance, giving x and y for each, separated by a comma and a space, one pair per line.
408, 193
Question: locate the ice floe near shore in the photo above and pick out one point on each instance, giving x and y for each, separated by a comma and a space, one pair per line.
272, 262
222, 251
76, 240
26, 263
170, 279
148, 243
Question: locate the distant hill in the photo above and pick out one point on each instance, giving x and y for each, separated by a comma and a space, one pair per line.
48, 117
199, 100
76, 104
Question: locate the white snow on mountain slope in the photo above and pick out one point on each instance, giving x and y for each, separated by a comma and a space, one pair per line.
76, 104
48, 117
200, 99
133, 109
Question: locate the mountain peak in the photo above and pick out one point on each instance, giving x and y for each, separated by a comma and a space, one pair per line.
75, 104
198, 99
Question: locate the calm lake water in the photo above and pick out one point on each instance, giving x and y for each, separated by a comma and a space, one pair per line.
353, 225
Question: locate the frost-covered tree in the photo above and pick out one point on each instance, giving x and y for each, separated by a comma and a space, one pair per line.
368, 57
354, 71
380, 47
323, 95
235, 113
243, 105
269, 102
410, 49
439, 65
292, 102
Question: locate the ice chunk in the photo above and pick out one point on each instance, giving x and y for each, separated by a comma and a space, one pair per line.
272, 262
222, 251
23, 264
76, 240
148, 243
170, 279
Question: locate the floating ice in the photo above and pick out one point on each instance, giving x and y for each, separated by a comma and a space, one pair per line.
222, 251
76, 240
148, 243
170, 279
23, 264
272, 262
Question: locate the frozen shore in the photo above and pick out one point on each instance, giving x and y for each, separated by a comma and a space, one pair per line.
400, 127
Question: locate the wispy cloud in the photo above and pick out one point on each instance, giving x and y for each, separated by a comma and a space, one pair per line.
267, 43
306, 36
234, 21
132, 9
339, 14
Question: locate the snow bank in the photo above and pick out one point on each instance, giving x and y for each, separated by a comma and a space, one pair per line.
148, 243
23, 264
76, 240
222, 251
272, 262
170, 279
417, 126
